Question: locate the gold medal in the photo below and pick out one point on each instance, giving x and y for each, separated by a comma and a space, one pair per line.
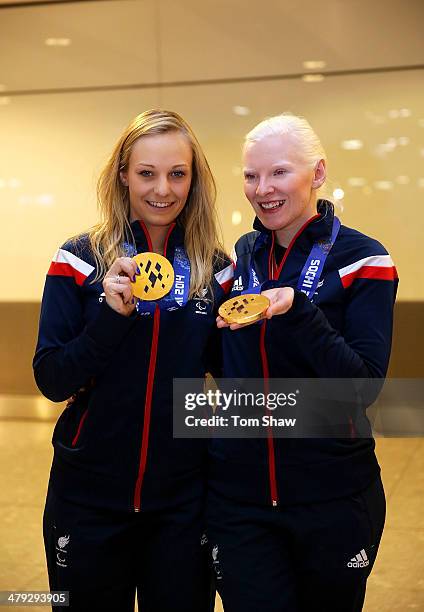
156, 276
246, 308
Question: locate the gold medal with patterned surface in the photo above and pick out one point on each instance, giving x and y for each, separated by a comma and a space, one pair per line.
156, 276
246, 308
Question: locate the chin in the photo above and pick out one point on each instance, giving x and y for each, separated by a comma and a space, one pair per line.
272, 224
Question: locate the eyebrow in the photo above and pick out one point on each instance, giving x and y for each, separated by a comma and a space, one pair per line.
152, 166
276, 165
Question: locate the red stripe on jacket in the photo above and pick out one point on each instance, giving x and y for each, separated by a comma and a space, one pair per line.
374, 272
64, 269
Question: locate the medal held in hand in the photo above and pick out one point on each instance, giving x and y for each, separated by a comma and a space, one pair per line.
245, 308
156, 276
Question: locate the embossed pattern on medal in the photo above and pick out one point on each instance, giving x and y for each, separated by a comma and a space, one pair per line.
156, 276
244, 308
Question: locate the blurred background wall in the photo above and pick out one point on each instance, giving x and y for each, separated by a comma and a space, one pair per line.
72, 75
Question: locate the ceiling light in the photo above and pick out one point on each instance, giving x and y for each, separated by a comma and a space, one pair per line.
236, 217
314, 64
338, 194
242, 111
421, 122
378, 119
385, 147
352, 145
405, 112
25, 200
57, 42
356, 181
312, 78
393, 114
44, 199
403, 180
383, 185
404, 140
420, 182
4, 101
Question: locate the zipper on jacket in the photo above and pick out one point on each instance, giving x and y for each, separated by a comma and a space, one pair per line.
149, 387
81, 423
273, 274
270, 438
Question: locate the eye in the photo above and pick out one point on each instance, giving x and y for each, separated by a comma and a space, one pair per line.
178, 173
280, 172
146, 173
248, 176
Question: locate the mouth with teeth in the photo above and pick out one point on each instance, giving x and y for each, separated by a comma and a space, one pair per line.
271, 206
160, 205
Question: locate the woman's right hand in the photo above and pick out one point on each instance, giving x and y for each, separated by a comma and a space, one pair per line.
117, 285
280, 301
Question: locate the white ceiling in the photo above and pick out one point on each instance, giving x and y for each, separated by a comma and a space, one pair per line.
153, 41
52, 145
23, 2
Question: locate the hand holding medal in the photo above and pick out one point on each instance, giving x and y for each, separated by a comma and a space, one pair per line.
117, 285
248, 308
147, 276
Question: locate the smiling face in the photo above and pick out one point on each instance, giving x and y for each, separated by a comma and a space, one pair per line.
158, 178
280, 184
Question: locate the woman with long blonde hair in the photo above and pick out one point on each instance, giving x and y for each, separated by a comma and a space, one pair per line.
124, 509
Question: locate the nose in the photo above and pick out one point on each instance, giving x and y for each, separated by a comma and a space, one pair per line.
264, 187
162, 186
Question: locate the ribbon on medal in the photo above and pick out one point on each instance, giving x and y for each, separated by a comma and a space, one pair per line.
312, 270
157, 274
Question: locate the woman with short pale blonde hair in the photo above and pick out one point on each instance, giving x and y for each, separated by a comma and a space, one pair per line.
295, 516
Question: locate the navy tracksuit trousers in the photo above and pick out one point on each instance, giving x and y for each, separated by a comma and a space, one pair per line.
302, 558
102, 557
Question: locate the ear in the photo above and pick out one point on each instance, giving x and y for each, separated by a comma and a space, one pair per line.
124, 178
320, 174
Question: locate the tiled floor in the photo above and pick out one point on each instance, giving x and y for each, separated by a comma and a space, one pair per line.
396, 584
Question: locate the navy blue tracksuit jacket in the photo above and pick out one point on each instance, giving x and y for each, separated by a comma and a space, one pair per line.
345, 332
113, 445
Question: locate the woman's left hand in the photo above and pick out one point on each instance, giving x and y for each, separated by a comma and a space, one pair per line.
281, 300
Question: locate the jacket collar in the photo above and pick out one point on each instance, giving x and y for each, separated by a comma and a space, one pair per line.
318, 229
142, 238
